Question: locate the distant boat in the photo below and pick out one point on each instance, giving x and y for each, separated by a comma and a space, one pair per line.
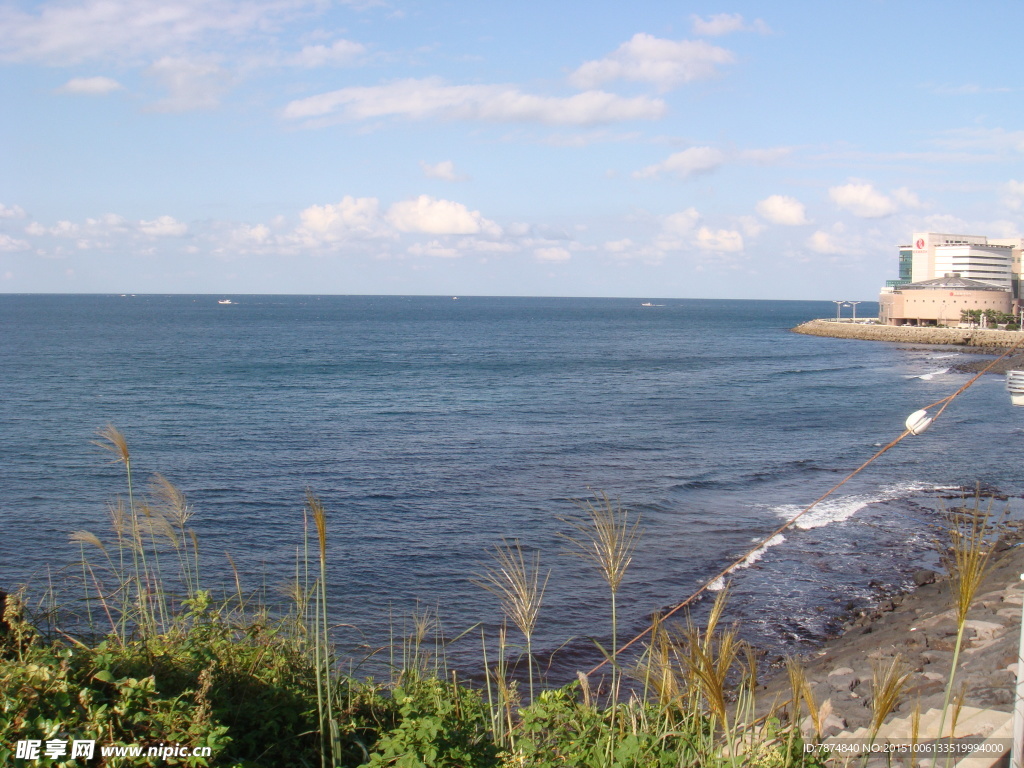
225, 301
650, 304
1015, 384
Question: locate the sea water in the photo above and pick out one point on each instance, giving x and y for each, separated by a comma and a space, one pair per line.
432, 428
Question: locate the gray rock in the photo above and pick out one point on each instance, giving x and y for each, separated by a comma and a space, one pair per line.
924, 576
843, 682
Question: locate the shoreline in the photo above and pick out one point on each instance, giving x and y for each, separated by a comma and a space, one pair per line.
961, 337
920, 626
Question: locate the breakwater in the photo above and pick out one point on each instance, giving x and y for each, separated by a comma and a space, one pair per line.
967, 337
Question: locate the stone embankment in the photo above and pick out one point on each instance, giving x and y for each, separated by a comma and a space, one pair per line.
989, 339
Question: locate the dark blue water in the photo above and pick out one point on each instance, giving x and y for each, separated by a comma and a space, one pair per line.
432, 427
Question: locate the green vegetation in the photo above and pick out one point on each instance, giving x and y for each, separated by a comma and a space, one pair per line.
164, 663
992, 318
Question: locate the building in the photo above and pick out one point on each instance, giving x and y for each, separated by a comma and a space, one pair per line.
940, 275
940, 301
974, 257
1017, 246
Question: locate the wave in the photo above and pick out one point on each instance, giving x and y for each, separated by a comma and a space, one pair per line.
929, 376
719, 583
827, 512
836, 510
804, 371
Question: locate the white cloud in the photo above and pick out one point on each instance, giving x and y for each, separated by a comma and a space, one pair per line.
190, 84
339, 53
906, 198
92, 86
832, 242
438, 217
9, 244
724, 24
445, 170
106, 224
64, 229
751, 225
552, 254
430, 98
648, 59
619, 246
724, 240
75, 31
163, 226
686, 163
866, 202
985, 139
352, 217
780, 209
35, 228
251, 236
1013, 195
11, 212
681, 223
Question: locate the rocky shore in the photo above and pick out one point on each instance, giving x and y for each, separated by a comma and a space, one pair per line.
921, 627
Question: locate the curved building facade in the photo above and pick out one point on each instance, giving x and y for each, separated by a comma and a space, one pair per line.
940, 301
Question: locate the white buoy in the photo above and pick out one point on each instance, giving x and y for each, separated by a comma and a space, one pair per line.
918, 422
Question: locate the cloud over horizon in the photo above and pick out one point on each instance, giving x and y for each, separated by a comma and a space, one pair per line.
432, 98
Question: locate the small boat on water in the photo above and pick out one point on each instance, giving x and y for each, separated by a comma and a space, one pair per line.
225, 301
1015, 384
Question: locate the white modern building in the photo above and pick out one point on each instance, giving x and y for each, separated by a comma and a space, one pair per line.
974, 257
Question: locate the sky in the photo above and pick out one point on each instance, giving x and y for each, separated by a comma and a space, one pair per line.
750, 150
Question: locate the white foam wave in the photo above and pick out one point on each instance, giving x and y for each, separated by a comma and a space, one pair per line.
930, 376
838, 509
943, 357
749, 560
829, 511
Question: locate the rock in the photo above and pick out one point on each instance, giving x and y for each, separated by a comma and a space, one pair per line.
1001, 678
935, 677
843, 682
924, 576
984, 630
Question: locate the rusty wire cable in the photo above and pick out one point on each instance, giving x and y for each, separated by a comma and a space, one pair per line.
944, 402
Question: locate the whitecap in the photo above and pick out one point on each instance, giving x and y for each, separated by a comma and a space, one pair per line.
930, 376
840, 508
758, 553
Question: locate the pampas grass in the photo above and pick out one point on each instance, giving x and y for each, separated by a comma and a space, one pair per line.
517, 584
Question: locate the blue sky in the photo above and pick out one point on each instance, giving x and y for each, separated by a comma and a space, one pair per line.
650, 149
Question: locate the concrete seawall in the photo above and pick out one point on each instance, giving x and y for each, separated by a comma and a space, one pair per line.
912, 335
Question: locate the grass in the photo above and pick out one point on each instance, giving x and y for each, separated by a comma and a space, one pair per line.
160, 661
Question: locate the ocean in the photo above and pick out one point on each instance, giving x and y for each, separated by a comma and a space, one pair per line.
432, 428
